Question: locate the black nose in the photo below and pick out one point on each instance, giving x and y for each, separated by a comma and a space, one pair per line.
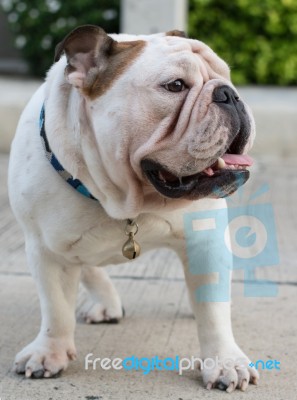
225, 94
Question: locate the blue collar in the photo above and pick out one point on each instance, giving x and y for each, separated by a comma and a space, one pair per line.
75, 183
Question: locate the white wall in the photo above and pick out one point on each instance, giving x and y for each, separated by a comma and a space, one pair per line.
152, 16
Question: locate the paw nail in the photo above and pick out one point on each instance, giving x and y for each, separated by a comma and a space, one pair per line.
230, 388
71, 356
244, 385
28, 373
47, 374
254, 380
209, 386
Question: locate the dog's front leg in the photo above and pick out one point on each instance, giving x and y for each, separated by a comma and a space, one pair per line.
57, 287
225, 365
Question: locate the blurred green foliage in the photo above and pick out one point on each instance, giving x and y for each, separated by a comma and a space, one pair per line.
258, 39
39, 25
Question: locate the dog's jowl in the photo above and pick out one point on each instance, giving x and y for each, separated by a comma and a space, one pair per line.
126, 135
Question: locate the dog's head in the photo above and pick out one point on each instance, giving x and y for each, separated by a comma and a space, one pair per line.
162, 116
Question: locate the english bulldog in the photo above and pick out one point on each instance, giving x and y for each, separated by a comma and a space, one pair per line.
126, 136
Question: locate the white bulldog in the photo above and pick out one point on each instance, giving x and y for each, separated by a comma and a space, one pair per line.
147, 128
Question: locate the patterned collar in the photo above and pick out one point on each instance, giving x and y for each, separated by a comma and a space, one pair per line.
75, 183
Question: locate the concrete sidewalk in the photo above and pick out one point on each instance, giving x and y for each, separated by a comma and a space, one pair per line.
158, 318
14, 95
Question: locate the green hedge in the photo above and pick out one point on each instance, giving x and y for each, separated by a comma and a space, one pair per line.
258, 38
39, 25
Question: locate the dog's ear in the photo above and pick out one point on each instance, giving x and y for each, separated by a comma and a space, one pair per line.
94, 59
176, 32
83, 47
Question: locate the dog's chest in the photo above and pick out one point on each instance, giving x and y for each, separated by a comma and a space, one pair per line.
102, 242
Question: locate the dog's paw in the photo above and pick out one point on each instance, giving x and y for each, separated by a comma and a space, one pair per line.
228, 371
44, 358
97, 313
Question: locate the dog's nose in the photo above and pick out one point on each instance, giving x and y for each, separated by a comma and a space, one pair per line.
225, 94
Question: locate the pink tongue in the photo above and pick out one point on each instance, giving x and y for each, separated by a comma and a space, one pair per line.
238, 159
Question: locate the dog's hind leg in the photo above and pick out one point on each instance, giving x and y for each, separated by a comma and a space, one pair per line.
105, 303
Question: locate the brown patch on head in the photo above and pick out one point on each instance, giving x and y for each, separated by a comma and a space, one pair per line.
94, 59
176, 32
120, 56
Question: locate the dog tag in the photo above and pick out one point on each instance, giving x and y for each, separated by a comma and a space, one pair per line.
131, 248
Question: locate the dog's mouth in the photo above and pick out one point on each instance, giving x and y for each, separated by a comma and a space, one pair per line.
220, 179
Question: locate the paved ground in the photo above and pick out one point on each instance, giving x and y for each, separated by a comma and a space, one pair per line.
158, 318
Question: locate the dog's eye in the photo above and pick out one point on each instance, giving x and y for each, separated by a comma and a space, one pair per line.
175, 86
